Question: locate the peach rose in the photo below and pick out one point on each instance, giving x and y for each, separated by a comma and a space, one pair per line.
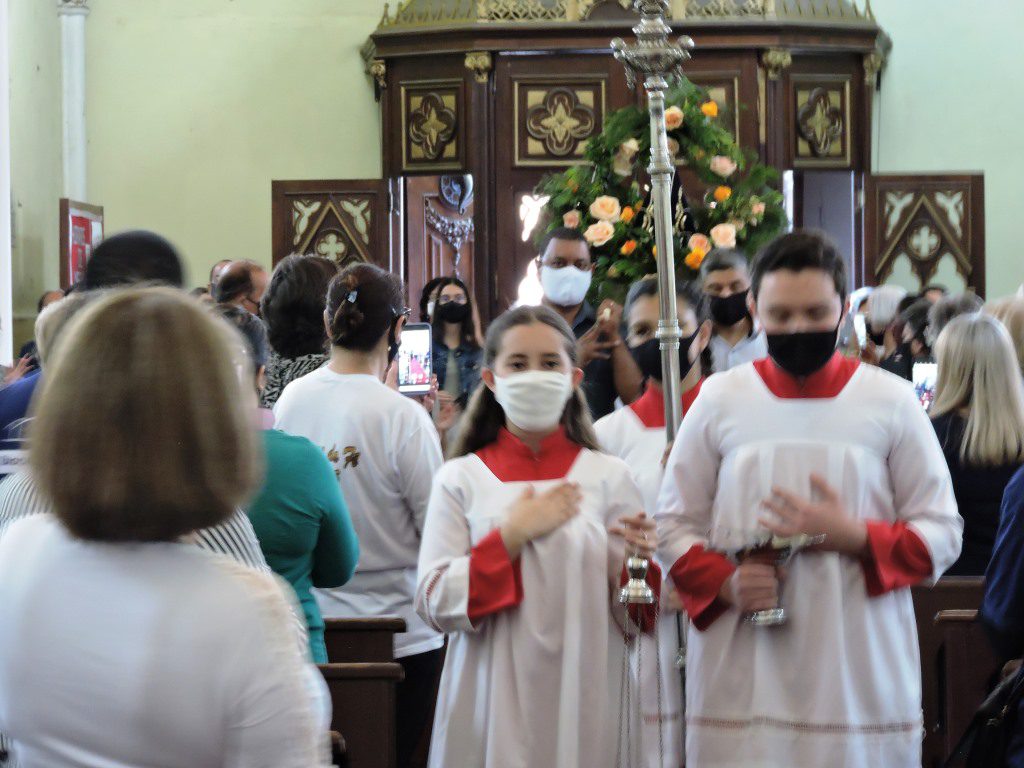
629, 148
724, 236
699, 242
673, 118
722, 166
571, 219
599, 232
622, 165
758, 209
606, 208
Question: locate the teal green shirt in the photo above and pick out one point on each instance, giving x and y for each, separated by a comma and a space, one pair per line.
303, 525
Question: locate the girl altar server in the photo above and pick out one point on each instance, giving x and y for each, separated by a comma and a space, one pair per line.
636, 434
522, 557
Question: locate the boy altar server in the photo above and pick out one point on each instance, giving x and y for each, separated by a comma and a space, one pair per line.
805, 442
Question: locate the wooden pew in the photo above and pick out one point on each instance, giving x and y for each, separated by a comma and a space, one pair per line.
951, 593
969, 672
361, 641
363, 699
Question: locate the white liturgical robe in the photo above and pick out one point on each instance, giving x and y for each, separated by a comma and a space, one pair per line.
636, 435
839, 684
534, 663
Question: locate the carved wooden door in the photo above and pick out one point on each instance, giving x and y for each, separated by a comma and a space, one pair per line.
439, 231
342, 220
925, 228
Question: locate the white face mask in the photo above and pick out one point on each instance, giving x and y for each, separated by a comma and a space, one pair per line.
565, 287
430, 308
534, 400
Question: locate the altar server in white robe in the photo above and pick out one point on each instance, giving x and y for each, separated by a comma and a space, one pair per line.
636, 434
522, 557
805, 442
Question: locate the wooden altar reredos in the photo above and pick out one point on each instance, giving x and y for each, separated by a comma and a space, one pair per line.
509, 90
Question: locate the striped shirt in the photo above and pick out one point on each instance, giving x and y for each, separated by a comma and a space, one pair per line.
20, 497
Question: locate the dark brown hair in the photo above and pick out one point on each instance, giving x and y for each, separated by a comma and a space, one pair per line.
485, 418
235, 281
797, 251
293, 305
363, 303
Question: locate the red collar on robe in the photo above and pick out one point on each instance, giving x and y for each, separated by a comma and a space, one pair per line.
826, 382
650, 407
512, 461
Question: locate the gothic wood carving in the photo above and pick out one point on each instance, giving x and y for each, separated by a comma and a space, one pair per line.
345, 221
916, 222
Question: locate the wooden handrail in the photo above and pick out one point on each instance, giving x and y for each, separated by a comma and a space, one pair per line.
379, 624
384, 671
956, 617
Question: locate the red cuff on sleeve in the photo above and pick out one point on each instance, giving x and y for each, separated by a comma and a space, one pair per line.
645, 616
495, 582
699, 576
897, 558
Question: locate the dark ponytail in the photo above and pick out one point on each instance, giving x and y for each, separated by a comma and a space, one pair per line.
363, 303
485, 417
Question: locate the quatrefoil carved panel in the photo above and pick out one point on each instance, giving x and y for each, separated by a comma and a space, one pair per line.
432, 125
820, 122
561, 121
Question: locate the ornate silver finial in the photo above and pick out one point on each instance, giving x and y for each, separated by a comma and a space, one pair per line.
653, 54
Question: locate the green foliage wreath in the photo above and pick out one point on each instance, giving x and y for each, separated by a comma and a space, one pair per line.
608, 199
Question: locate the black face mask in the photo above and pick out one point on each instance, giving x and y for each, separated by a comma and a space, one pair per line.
451, 312
648, 357
801, 354
729, 310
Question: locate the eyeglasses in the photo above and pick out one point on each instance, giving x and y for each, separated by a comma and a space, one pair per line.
460, 299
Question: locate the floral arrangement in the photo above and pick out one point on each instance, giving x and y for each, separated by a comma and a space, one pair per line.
608, 200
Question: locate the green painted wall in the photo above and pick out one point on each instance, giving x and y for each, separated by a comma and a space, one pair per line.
952, 100
34, 40
196, 105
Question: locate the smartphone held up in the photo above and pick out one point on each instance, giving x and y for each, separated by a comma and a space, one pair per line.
415, 364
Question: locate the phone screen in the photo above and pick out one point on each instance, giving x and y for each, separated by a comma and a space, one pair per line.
415, 366
925, 375
860, 325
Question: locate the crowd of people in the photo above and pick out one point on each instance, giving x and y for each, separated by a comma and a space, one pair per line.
192, 484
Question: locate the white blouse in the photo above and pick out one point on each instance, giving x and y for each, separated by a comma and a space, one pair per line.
125, 655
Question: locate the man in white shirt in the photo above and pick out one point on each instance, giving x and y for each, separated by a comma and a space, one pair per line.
725, 280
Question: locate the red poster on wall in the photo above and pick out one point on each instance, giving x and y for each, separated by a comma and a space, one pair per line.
81, 230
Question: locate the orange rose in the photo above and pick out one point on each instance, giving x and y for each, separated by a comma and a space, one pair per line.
628, 247
722, 194
654, 251
694, 259
627, 214
709, 108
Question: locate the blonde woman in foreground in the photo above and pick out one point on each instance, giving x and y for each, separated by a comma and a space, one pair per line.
120, 642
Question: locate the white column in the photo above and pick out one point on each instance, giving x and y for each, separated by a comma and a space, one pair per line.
72, 53
6, 276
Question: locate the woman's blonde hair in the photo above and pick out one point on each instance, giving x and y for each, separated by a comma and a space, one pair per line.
144, 428
1010, 312
978, 371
